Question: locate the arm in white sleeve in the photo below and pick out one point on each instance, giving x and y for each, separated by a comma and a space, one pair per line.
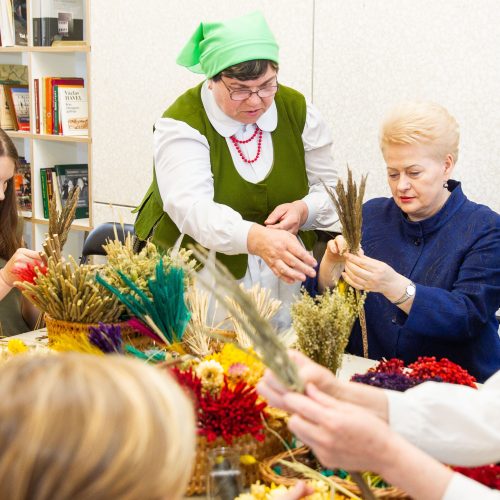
317, 141
184, 175
464, 488
457, 425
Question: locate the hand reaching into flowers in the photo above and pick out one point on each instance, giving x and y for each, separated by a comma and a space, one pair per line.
20, 259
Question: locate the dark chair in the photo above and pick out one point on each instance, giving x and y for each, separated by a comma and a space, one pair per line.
100, 234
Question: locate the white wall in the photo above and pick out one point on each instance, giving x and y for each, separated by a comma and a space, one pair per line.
355, 59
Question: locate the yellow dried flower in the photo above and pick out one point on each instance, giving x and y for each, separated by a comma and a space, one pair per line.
16, 346
211, 374
234, 361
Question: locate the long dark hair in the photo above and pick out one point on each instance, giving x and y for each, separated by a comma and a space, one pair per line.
10, 241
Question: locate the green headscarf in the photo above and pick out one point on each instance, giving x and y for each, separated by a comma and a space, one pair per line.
219, 45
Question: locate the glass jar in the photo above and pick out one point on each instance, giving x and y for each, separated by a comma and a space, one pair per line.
224, 475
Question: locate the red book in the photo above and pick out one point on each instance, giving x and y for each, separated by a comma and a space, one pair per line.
37, 105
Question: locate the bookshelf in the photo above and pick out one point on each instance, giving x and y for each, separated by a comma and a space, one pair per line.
44, 150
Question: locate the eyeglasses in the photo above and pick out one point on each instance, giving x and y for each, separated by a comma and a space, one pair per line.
243, 95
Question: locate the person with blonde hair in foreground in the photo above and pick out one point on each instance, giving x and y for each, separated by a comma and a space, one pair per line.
81, 427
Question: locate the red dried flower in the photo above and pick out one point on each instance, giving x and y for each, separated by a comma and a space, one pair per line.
393, 365
30, 271
428, 368
231, 413
488, 475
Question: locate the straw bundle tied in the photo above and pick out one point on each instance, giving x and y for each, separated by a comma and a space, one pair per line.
348, 202
69, 292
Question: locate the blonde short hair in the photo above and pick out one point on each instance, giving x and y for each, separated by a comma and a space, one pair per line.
421, 123
76, 426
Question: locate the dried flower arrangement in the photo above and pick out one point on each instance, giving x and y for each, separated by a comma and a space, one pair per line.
162, 313
392, 373
140, 267
223, 389
260, 491
323, 325
259, 330
66, 291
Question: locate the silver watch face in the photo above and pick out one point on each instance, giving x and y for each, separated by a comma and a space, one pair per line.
410, 290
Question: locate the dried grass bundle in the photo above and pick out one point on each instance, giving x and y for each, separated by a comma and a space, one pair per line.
60, 223
259, 330
197, 338
69, 292
140, 267
348, 202
323, 325
266, 307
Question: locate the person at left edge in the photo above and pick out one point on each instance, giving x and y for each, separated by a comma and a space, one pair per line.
238, 162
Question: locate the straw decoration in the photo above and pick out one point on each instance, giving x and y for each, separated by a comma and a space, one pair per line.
259, 330
197, 335
60, 223
69, 292
348, 202
166, 313
266, 308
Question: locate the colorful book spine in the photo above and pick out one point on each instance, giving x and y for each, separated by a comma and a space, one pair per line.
45, 196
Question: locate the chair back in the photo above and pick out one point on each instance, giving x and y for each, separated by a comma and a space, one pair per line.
100, 235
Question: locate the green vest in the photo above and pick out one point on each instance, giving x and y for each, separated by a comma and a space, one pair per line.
286, 182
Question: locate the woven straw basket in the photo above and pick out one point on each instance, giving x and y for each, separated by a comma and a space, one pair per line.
290, 477
57, 327
245, 445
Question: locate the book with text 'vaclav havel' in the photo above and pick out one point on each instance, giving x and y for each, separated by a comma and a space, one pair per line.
56, 20
72, 110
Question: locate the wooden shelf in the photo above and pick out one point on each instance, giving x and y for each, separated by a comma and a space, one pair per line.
48, 137
63, 48
78, 225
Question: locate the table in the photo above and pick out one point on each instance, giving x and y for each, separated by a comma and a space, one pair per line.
351, 364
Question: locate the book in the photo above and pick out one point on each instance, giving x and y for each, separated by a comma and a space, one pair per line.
73, 110
36, 90
20, 23
70, 176
22, 183
55, 83
57, 20
7, 23
45, 192
7, 120
15, 73
19, 104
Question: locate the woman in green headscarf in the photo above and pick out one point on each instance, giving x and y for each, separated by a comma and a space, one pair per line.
239, 162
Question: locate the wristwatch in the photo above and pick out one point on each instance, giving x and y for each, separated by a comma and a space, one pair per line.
409, 292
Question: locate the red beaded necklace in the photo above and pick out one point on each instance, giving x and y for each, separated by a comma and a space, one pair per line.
237, 142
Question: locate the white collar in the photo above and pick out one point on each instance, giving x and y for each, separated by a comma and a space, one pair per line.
225, 125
